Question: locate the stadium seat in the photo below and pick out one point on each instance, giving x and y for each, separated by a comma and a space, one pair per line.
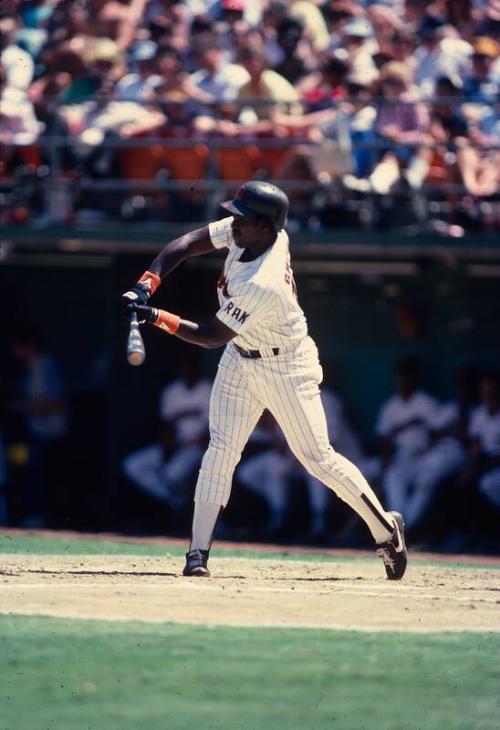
238, 163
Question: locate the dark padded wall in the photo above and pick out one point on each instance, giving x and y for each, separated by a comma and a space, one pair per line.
361, 327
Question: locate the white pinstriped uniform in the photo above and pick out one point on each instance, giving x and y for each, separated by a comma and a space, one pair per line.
257, 300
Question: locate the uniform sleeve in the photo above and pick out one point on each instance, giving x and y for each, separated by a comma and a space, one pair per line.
475, 424
166, 406
220, 233
248, 307
385, 421
443, 416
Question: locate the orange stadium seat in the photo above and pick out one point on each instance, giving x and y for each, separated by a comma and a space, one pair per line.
238, 163
31, 155
182, 163
141, 163
186, 163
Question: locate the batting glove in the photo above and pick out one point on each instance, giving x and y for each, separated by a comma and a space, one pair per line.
140, 293
144, 314
166, 321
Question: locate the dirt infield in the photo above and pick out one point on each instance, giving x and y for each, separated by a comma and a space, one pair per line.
247, 592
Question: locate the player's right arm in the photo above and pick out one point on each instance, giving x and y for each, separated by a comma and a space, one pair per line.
194, 243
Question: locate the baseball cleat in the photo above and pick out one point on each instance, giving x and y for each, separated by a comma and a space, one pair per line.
196, 564
394, 552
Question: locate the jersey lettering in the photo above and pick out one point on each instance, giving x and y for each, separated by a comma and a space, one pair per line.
236, 312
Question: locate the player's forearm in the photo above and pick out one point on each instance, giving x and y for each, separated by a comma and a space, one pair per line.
170, 257
190, 244
202, 334
206, 335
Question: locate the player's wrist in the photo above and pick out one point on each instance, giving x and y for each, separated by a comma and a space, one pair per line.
150, 282
165, 321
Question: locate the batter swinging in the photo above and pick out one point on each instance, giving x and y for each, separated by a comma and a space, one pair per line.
269, 362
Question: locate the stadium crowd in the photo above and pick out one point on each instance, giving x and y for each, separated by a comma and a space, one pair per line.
352, 107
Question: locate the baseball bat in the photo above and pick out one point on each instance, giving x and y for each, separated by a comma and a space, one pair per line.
136, 354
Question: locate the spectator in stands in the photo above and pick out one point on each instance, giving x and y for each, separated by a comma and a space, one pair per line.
17, 63
115, 20
164, 469
402, 45
462, 153
461, 15
438, 55
266, 92
18, 123
296, 50
68, 19
401, 124
273, 13
482, 83
340, 139
169, 22
216, 82
326, 84
414, 11
404, 425
360, 44
236, 11
89, 65
385, 23
139, 84
309, 14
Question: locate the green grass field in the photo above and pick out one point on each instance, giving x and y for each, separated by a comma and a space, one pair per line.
109, 675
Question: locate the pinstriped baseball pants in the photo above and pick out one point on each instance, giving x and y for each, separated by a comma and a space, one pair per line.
288, 385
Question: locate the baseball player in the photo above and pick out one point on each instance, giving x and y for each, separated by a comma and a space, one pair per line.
484, 431
269, 362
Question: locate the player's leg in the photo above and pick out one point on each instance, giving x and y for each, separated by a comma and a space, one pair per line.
234, 412
291, 392
289, 387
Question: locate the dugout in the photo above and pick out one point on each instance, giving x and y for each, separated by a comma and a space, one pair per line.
367, 302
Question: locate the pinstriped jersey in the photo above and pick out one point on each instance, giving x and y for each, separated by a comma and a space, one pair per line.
257, 298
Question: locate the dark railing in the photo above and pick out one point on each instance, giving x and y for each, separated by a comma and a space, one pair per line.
62, 180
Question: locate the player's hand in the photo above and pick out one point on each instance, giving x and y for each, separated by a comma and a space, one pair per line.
144, 314
139, 294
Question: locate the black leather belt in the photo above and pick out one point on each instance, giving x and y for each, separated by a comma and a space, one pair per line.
256, 354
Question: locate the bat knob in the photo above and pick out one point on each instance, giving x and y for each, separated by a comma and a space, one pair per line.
136, 358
